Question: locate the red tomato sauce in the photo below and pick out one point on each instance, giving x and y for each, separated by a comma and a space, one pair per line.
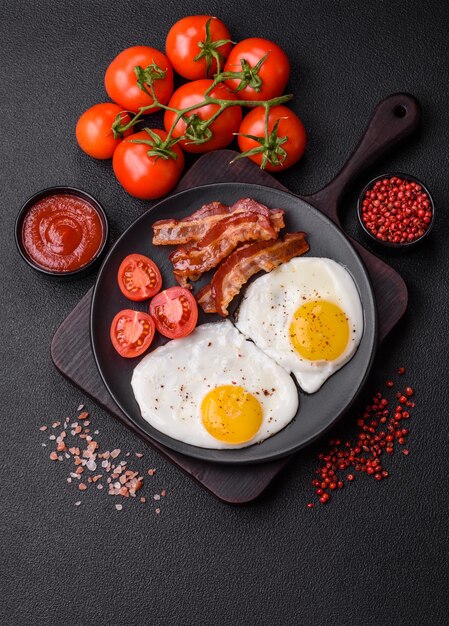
62, 233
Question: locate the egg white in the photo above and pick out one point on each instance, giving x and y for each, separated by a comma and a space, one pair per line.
170, 383
270, 302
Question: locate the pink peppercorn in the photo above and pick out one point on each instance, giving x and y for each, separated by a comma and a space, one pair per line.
396, 210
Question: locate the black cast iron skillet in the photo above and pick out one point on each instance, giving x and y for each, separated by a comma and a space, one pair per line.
317, 412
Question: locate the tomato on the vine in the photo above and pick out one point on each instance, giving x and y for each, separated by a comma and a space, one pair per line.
259, 82
194, 43
221, 131
147, 176
132, 332
94, 133
286, 143
121, 79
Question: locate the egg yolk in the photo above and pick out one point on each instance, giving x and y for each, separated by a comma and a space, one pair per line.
319, 331
231, 414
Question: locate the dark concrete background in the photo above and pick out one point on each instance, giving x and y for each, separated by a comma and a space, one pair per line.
377, 554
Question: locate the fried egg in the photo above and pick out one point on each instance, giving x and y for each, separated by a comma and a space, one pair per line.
307, 316
214, 389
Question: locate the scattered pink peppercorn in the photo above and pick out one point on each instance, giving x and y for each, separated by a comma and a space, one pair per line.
379, 430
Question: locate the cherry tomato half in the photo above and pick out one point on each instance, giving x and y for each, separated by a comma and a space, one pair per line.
146, 177
187, 39
175, 312
139, 277
222, 128
120, 79
290, 126
93, 130
274, 71
132, 332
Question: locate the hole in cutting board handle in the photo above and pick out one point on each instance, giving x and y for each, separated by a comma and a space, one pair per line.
400, 110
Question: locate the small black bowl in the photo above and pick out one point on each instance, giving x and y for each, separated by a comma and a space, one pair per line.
394, 247
51, 191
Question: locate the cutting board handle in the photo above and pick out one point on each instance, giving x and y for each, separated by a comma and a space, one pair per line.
393, 119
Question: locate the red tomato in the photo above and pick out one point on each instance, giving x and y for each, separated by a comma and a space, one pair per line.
132, 332
274, 71
93, 130
175, 312
290, 126
188, 38
146, 177
222, 128
120, 79
139, 277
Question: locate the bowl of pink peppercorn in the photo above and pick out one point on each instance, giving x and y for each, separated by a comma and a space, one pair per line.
396, 211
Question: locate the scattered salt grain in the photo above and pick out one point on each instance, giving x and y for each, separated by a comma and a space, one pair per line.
157, 511
91, 465
80, 408
88, 456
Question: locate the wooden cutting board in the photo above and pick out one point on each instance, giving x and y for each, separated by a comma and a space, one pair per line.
393, 119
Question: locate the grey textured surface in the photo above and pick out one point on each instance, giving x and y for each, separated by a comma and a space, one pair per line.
378, 554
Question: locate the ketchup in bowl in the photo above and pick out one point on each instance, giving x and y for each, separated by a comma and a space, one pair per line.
62, 232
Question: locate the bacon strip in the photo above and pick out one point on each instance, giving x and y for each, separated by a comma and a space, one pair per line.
205, 298
194, 227
213, 208
246, 261
192, 260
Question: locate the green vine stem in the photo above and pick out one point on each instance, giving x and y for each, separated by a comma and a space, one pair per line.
209, 50
198, 130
